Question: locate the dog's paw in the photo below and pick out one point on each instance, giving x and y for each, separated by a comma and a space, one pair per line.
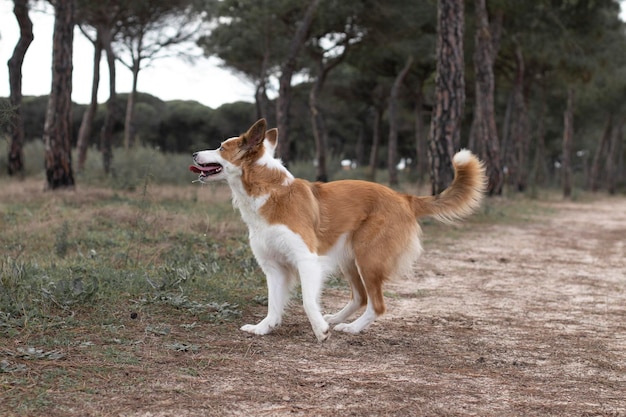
332, 319
256, 329
323, 333
346, 328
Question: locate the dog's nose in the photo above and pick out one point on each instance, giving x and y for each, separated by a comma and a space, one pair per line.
194, 155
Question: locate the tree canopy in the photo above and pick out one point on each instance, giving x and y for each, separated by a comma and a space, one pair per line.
550, 61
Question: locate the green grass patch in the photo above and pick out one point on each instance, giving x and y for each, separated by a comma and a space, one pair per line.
99, 249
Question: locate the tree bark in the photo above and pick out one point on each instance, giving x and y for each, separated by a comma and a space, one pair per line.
620, 176
84, 133
445, 127
58, 124
421, 137
600, 155
106, 135
392, 146
612, 157
484, 126
519, 161
540, 169
284, 86
319, 132
129, 129
260, 93
375, 144
494, 30
568, 138
319, 128
16, 155
360, 145
506, 138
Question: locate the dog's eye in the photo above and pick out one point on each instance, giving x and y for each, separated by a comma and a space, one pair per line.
221, 148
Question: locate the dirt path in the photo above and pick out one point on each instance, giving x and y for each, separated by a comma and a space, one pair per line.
532, 318
507, 320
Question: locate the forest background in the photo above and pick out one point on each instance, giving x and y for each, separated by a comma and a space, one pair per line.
356, 81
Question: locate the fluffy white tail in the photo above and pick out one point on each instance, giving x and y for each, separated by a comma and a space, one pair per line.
462, 197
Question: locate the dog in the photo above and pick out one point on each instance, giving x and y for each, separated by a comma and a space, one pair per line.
305, 230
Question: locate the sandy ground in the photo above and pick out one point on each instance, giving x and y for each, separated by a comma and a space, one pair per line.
500, 320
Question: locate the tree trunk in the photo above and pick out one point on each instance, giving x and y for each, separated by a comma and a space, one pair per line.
58, 124
16, 155
319, 131
321, 144
360, 145
612, 157
106, 135
620, 176
283, 101
492, 31
378, 115
260, 93
260, 100
319, 128
568, 138
421, 137
392, 147
129, 129
506, 138
84, 133
600, 155
540, 170
445, 126
484, 125
472, 140
519, 161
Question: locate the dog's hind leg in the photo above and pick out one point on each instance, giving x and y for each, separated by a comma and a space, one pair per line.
358, 297
279, 285
373, 273
311, 281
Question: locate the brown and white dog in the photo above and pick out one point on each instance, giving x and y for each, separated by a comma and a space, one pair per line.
310, 230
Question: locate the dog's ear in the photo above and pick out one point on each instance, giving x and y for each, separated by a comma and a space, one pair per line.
255, 135
272, 137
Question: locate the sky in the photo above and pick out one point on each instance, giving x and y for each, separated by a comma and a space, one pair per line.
168, 78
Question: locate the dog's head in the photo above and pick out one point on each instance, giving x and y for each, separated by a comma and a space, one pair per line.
235, 155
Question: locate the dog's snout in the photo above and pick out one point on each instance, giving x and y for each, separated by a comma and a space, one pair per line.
194, 155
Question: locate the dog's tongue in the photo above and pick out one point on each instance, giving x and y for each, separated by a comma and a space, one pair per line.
198, 170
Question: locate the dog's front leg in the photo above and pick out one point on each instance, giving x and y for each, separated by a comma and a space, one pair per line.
311, 282
279, 284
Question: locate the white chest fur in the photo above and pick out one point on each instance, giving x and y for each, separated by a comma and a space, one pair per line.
277, 243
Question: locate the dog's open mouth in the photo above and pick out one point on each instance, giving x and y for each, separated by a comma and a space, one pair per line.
206, 170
